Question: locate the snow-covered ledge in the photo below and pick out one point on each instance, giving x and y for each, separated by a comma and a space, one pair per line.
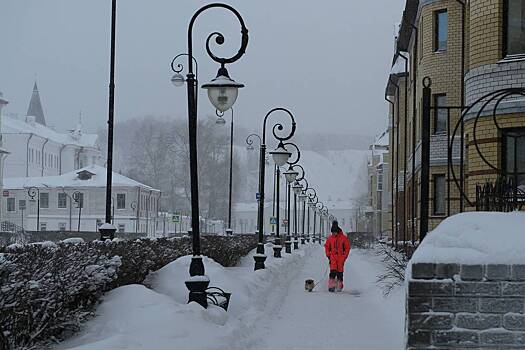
466, 284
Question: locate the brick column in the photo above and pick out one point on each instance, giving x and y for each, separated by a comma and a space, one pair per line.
451, 306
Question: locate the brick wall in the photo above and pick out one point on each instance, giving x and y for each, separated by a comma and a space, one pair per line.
451, 306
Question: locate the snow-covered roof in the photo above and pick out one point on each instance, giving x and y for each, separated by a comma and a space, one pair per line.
399, 65
72, 180
12, 125
475, 238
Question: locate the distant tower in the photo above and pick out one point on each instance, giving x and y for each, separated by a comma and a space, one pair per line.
35, 107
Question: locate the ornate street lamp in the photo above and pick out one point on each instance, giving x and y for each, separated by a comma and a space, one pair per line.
312, 202
291, 176
70, 207
303, 197
32, 192
220, 121
280, 156
222, 92
79, 199
297, 188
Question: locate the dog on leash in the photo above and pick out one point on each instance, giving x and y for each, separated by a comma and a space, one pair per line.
309, 285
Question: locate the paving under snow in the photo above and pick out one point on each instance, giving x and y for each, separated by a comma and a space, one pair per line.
269, 309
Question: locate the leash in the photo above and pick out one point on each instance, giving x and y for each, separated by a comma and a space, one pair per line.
320, 279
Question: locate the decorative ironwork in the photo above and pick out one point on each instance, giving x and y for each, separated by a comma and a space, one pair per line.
502, 195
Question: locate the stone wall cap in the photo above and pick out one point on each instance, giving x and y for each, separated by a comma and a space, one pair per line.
475, 239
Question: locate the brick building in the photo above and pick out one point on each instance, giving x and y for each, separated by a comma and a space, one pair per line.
464, 51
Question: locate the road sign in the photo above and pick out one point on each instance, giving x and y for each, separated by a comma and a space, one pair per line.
175, 218
6, 193
273, 220
257, 196
285, 222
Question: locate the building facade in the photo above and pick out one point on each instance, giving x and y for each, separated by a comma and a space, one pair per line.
379, 210
75, 201
38, 150
444, 148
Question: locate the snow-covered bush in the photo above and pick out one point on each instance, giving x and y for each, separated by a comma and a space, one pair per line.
48, 290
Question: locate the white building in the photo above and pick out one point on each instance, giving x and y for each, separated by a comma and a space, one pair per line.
134, 205
38, 150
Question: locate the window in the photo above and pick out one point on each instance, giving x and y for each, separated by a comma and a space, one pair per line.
10, 204
121, 201
380, 178
441, 30
62, 200
515, 27
43, 226
44, 200
440, 114
439, 194
61, 226
121, 228
514, 153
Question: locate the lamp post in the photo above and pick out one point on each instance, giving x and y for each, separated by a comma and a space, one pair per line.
312, 202
78, 198
221, 121
32, 192
133, 206
320, 208
70, 207
291, 175
280, 156
107, 230
222, 92
302, 200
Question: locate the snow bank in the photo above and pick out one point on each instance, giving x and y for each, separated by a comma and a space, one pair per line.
134, 317
475, 238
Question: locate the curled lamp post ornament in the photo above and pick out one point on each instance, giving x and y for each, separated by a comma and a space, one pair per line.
280, 156
222, 92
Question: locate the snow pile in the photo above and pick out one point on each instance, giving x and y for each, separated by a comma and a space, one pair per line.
475, 238
134, 317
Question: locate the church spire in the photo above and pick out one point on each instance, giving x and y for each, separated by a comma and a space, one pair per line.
35, 107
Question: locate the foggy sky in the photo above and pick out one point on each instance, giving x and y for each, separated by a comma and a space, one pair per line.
325, 60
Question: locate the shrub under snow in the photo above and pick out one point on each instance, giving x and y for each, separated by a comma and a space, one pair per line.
48, 290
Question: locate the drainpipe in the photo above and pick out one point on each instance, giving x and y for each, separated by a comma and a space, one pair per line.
414, 120
405, 226
391, 171
60, 156
462, 151
27, 154
43, 158
397, 156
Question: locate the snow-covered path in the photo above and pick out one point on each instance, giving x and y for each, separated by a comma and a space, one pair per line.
358, 318
269, 309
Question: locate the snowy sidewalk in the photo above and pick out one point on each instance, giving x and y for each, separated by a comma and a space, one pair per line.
358, 318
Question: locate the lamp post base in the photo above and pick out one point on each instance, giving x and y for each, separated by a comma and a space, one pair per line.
288, 247
277, 248
198, 282
296, 244
260, 248
107, 231
229, 232
303, 240
259, 261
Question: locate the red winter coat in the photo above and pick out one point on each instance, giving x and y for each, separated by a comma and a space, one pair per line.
337, 248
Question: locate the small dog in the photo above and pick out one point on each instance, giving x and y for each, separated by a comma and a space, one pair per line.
309, 285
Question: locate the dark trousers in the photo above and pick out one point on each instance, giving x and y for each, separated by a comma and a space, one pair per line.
337, 275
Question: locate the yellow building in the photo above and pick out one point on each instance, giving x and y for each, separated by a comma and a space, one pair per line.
460, 139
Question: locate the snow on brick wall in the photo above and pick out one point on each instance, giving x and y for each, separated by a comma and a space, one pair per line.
466, 284
47, 290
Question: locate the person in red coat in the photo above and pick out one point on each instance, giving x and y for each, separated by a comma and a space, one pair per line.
337, 248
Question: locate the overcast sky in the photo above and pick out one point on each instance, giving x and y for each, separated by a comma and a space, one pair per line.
325, 60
